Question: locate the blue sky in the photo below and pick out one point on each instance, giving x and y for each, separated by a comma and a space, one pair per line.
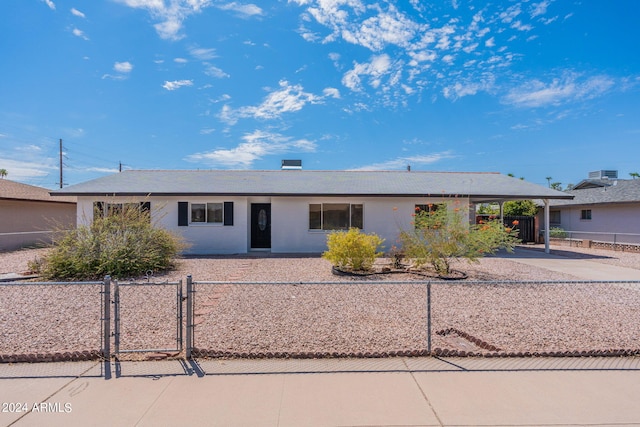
540, 88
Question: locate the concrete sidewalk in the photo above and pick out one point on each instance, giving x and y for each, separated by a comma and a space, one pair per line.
581, 268
327, 392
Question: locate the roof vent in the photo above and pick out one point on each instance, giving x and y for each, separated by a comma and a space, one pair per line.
604, 174
291, 164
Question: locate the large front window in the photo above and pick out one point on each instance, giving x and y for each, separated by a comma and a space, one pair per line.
206, 213
335, 216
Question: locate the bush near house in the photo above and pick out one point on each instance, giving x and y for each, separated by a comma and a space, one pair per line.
122, 244
443, 234
557, 232
352, 250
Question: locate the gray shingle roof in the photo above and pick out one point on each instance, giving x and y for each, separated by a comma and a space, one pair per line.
617, 191
478, 185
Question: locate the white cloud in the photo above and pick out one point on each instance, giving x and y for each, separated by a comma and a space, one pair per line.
331, 92
415, 52
170, 14
289, 98
244, 10
177, 84
77, 13
51, 4
203, 54
375, 70
538, 9
256, 146
180, 60
79, 33
571, 87
123, 67
213, 71
403, 162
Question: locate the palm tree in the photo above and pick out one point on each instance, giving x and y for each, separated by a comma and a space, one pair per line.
634, 175
3, 173
549, 180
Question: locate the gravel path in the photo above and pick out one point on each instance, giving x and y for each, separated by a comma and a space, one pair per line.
359, 318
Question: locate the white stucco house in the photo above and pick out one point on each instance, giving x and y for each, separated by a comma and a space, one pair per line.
289, 211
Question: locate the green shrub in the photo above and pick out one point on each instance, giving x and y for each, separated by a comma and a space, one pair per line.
557, 232
352, 250
122, 244
443, 235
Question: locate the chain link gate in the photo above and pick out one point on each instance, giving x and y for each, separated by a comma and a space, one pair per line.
141, 313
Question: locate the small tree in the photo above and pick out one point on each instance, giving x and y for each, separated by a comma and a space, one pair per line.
352, 249
3, 173
520, 208
443, 235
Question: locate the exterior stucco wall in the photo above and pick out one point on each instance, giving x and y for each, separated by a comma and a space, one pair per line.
24, 216
203, 239
383, 216
289, 221
619, 219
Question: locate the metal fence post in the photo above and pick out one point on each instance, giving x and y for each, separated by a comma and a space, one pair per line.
106, 321
116, 317
429, 317
189, 322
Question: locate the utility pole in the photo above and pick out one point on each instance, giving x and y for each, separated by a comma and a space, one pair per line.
61, 163
120, 168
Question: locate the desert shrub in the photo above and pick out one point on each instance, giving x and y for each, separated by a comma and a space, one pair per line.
443, 235
557, 233
121, 244
352, 250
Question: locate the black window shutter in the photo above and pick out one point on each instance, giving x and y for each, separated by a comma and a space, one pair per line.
98, 209
183, 214
145, 206
228, 213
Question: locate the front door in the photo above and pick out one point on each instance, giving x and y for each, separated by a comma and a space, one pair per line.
260, 226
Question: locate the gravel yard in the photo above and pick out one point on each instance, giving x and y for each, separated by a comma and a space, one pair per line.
357, 318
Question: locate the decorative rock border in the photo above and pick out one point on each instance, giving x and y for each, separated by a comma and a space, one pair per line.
215, 354
74, 356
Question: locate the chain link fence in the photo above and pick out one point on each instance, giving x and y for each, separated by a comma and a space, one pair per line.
147, 317
378, 319
43, 321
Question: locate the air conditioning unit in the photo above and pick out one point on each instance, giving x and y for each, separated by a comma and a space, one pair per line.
291, 164
604, 174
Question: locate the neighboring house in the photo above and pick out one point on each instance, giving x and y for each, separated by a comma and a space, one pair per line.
603, 208
289, 211
28, 214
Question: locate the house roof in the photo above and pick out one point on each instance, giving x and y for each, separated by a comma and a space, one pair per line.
615, 191
480, 186
11, 190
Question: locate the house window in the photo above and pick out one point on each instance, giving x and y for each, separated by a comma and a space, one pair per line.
585, 214
209, 213
554, 217
426, 208
103, 209
335, 216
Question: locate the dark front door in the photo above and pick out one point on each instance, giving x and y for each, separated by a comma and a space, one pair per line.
261, 225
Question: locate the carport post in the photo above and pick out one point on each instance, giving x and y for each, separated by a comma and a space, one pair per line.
546, 226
